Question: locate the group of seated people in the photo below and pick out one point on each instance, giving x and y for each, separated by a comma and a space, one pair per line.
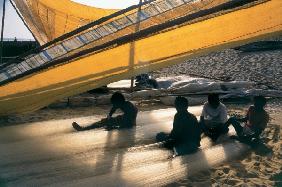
185, 135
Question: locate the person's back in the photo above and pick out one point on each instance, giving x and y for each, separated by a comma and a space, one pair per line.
185, 128
128, 118
129, 112
257, 118
185, 135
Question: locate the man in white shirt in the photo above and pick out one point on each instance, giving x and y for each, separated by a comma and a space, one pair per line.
213, 117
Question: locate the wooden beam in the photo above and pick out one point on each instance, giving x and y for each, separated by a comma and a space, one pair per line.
2, 30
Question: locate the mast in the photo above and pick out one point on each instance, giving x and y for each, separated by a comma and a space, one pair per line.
2, 31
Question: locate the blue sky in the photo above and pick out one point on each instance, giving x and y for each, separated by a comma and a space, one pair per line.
15, 28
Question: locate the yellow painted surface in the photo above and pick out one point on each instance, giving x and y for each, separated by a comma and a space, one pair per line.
168, 48
49, 19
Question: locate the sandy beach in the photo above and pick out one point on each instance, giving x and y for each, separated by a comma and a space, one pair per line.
253, 168
256, 167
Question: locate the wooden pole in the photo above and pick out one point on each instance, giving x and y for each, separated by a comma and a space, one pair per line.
2, 31
136, 30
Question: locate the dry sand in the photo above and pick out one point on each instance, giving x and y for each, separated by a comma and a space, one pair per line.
256, 168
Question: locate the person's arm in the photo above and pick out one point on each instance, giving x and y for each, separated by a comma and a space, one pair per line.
245, 119
196, 133
262, 125
204, 113
174, 132
112, 111
201, 119
223, 115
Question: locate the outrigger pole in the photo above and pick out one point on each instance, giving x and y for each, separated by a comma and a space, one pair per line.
2, 31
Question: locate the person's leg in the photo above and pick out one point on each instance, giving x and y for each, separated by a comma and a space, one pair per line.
211, 130
203, 126
215, 133
162, 136
236, 124
77, 127
98, 124
221, 128
127, 122
224, 129
185, 148
93, 126
114, 122
256, 135
169, 144
208, 130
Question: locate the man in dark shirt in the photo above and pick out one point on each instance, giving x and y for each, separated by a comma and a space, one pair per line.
186, 133
126, 120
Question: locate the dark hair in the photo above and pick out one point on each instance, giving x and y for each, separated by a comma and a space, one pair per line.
213, 99
260, 101
117, 98
181, 102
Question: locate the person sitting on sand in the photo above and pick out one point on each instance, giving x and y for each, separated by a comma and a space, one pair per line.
254, 122
213, 117
185, 135
126, 120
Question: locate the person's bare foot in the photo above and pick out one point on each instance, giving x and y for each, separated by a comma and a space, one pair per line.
76, 126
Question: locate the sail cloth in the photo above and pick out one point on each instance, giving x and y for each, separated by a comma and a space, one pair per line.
49, 19
100, 66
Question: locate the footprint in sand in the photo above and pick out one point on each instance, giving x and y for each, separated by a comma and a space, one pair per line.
232, 182
269, 170
226, 170
256, 164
